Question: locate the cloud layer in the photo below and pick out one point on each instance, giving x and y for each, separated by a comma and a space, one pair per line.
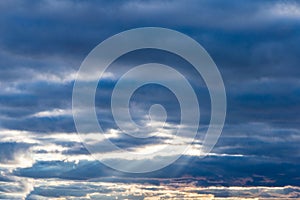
255, 45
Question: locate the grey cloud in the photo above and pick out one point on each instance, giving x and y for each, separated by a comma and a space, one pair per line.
9, 151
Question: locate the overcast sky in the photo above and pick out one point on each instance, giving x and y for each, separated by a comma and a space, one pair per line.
255, 45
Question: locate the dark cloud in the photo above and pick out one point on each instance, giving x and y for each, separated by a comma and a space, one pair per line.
273, 145
213, 170
66, 170
9, 151
37, 40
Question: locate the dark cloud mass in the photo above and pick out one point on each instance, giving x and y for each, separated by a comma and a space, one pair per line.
255, 45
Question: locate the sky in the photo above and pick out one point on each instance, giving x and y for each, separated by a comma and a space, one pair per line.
255, 45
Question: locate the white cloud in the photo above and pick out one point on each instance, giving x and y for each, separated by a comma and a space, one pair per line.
17, 136
286, 10
55, 78
54, 113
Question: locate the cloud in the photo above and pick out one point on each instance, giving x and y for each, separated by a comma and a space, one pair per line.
53, 113
286, 10
108, 190
14, 155
255, 45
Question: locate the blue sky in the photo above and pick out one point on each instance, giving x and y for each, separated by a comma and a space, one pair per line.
255, 45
